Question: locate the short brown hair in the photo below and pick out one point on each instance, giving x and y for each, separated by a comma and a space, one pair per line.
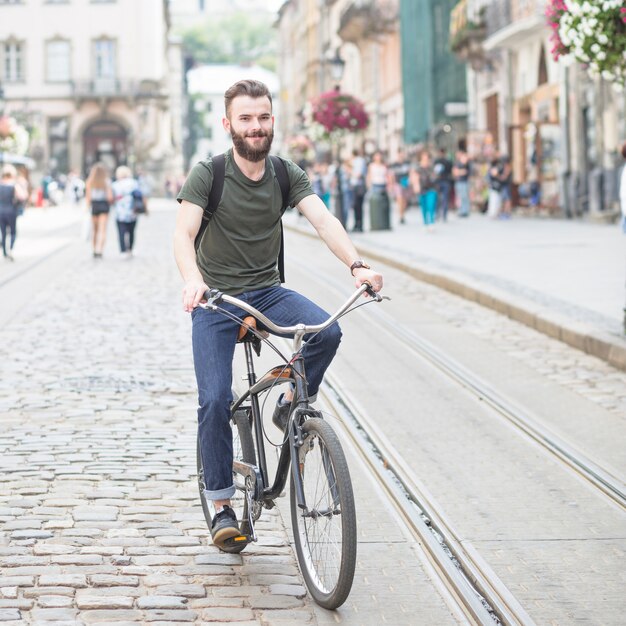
624, 149
248, 87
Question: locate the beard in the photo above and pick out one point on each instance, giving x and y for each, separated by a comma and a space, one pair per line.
248, 152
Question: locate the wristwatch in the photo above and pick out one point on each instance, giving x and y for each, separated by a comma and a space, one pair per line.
357, 264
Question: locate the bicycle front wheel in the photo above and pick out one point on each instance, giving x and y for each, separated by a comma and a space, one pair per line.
325, 532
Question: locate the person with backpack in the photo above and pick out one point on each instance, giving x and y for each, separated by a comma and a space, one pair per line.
11, 195
230, 240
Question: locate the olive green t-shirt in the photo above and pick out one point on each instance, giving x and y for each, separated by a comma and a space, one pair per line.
239, 248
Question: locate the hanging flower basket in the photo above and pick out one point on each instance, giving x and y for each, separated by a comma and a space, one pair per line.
593, 32
13, 136
338, 113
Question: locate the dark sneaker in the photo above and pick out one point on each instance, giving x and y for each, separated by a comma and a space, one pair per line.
224, 526
281, 414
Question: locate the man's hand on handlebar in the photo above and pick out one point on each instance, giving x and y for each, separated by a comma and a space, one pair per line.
374, 279
193, 293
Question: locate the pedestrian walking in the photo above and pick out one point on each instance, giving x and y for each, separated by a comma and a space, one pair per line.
401, 169
345, 171
423, 183
506, 191
622, 203
98, 195
11, 195
461, 175
237, 254
494, 183
125, 190
443, 183
359, 189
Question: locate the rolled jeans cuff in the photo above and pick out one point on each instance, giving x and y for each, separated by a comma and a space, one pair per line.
220, 494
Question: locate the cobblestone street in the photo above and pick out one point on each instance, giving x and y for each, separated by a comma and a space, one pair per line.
100, 515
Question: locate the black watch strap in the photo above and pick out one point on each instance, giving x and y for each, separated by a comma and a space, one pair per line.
357, 264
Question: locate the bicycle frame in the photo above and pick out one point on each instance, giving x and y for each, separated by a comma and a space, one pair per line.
293, 373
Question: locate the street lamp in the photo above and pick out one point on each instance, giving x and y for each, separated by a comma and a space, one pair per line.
337, 65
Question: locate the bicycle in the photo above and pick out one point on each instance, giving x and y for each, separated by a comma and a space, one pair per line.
322, 507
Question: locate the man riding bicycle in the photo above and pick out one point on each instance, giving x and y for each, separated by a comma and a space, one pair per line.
237, 254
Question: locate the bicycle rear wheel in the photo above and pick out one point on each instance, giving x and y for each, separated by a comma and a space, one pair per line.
243, 450
324, 534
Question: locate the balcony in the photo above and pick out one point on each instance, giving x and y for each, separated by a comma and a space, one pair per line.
117, 89
510, 24
467, 36
368, 19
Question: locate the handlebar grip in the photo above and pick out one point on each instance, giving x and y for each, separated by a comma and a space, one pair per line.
372, 293
213, 295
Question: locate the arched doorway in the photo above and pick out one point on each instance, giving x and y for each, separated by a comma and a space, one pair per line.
105, 141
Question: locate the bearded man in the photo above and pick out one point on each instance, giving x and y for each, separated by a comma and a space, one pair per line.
237, 254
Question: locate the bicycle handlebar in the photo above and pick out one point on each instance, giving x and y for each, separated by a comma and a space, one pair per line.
214, 297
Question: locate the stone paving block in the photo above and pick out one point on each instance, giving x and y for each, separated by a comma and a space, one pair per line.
17, 581
269, 579
8, 615
106, 580
161, 579
158, 560
16, 603
184, 590
112, 616
219, 559
90, 600
54, 615
77, 559
213, 601
95, 513
54, 601
161, 602
274, 602
297, 591
169, 616
63, 580
222, 614
8, 592
177, 541
289, 617
36, 592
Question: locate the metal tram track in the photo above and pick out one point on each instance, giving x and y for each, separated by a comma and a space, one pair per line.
611, 486
477, 591
481, 594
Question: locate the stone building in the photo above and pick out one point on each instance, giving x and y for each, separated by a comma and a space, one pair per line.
95, 80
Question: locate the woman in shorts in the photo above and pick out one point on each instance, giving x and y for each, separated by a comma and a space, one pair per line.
99, 195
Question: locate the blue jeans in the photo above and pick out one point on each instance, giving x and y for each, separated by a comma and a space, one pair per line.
461, 188
443, 193
213, 338
428, 203
126, 231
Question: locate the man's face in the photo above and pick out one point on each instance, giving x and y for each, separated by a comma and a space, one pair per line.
251, 125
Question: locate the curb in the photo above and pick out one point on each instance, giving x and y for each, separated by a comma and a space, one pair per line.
576, 334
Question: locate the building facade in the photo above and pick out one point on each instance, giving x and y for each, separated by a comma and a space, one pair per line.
561, 129
94, 80
365, 36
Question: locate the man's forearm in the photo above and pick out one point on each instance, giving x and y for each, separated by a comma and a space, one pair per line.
335, 237
185, 255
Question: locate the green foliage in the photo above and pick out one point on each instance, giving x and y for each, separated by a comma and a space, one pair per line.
235, 38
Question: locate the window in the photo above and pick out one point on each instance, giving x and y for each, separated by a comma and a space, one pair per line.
12, 53
58, 60
104, 59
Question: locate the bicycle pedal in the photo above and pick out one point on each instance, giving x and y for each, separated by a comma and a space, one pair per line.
238, 541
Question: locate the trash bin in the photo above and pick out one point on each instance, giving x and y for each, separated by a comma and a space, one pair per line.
379, 210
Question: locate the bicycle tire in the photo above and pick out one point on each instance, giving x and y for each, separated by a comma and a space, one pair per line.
331, 519
243, 449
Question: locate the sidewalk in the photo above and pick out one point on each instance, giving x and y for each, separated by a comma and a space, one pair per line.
566, 279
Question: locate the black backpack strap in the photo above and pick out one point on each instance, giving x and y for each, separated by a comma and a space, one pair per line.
215, 195
280, 170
